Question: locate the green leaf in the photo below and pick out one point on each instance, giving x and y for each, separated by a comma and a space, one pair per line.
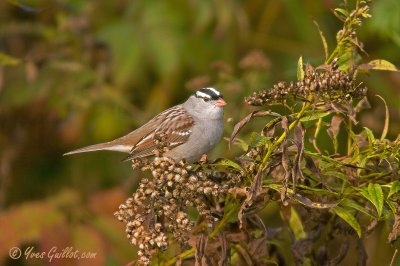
231, 209
300, 70
256, 140
227, 163
8, 60
381, 64
353, 204
392, 206
375, 190
386, 126
326, 159
296, 225
310, 190
348, 217
276, 187
314, 116
394, 188
324, 42
242, 144
345, 54
370, 135
342, 11
375, 195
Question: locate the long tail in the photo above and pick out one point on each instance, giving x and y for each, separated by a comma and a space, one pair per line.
107, 146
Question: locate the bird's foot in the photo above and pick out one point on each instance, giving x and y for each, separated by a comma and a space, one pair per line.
203, 159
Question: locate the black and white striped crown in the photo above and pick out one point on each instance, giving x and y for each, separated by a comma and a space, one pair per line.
208, 94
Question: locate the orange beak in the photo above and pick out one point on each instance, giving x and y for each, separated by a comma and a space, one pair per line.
220, 102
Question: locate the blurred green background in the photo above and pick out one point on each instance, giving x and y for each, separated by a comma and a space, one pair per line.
74, 73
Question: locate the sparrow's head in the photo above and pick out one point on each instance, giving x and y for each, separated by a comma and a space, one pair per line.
210, 96
206, 103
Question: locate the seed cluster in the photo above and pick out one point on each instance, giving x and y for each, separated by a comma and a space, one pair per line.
327, 84
160, 205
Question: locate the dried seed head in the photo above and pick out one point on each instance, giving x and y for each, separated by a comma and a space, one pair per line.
331, 85
166, 197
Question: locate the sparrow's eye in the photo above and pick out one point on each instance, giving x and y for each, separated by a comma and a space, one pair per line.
206, 99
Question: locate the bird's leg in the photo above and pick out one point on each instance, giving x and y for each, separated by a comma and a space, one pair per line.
203, 159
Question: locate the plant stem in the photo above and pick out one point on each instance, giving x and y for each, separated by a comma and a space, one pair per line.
278, 142
212, 235
349, 143
180, 256
222, 223
317, 130
394, 257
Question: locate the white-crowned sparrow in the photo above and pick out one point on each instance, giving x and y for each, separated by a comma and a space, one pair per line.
190, 130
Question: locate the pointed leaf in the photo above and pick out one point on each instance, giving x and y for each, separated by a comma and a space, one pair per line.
321, 191
349, 218
342, 11
375, 195
296, 224
227, 163
333, 130
370, 135
324, 42
392, 206
246, 120
241, 143
375, 190
231, 208
314, 116
386, 126
379, 64
353, 204
394, 188
256, 140
300, 70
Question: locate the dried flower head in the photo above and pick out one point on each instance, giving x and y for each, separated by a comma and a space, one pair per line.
160, 205
327, 84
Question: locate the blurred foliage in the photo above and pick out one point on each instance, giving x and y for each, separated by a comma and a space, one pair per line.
81, 72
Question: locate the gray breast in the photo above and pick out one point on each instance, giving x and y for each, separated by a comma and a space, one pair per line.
205, 135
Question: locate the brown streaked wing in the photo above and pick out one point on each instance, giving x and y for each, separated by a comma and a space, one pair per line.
175, 123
